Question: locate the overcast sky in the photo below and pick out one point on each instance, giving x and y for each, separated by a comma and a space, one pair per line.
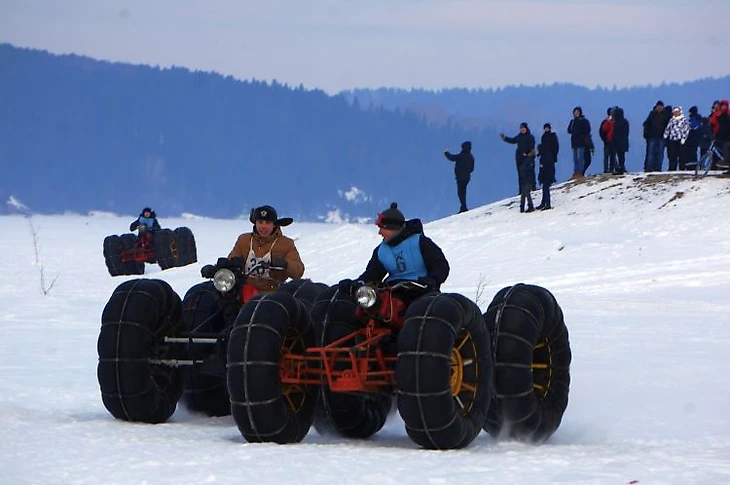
341, 44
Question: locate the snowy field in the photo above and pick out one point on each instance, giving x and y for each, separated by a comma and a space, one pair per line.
640, 266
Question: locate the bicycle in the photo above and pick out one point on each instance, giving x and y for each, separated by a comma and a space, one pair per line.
704, 164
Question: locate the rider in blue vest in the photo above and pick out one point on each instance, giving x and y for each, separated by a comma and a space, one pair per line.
147, 218
404, 254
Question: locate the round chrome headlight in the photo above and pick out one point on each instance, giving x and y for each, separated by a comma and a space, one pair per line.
224, 280
366, 296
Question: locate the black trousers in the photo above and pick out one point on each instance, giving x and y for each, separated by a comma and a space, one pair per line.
461, 184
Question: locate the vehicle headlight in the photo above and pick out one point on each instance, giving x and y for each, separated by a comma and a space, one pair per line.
366, 296
224, 280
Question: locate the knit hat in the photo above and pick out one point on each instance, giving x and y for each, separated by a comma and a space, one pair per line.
466, 145
524, 125
693, 110
659, 103
547, 125
391, 218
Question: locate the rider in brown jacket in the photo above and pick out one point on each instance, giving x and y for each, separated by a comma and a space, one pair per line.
267, 244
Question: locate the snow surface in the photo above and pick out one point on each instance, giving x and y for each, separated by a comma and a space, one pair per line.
641, 272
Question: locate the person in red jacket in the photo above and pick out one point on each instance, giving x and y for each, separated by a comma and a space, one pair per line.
714, 113
609, 149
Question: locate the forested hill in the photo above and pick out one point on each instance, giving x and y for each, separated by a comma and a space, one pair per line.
79, 135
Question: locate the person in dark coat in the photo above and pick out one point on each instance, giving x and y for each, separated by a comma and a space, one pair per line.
547, 150
654, 126
693, 140
605, 131
463, 167
405, 254
579, 129
525, 156
620, 140
147, 218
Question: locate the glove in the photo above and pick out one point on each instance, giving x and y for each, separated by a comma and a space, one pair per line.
348, 286
279, 263
502, 136
430, 283
208, 271
683, 140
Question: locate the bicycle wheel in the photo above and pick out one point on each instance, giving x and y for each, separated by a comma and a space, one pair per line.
704, 164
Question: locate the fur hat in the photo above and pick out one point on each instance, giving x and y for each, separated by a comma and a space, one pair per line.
268, 213
391, 218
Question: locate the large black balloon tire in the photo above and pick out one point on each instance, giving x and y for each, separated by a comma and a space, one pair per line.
113, 255
532, 364
129, 241
166, 248
265, 410
188, 252
351, 415
206, 387
444, 371
134, 322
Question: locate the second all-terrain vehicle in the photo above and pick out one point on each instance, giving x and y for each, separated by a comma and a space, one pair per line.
128, 253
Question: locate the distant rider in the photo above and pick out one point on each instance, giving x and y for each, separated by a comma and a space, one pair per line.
147, 218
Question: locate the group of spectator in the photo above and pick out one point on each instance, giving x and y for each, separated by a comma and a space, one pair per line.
665, 127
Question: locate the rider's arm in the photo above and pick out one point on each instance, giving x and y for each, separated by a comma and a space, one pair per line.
295, 266
436, 263
134, 225
240, 249
374, 271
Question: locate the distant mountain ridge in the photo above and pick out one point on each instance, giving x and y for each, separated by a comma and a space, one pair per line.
80, 135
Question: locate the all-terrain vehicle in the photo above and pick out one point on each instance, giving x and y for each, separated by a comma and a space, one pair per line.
128, 253
308, 354
155, 348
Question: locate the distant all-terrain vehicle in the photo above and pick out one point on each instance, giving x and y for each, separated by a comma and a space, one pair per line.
128, 253
308, 354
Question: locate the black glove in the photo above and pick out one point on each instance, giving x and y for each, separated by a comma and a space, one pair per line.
430, 283
279, 263
348, 286
208, 271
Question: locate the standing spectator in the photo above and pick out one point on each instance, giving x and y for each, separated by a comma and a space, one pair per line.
620, 140
676, 134
547, 150
714, 113
654, 127
588, 154
693, 140
525, 156
705, 136
579, 129
606, 133
722, 136
463, 167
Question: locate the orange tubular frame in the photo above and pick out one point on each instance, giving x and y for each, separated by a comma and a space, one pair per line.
363, 365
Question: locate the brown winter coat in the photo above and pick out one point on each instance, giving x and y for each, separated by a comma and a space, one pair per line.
283, 249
